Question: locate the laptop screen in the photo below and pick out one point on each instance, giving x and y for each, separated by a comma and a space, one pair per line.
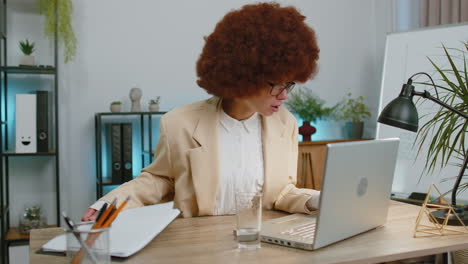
356, 188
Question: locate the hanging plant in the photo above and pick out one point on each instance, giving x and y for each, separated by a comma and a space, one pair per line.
65, 33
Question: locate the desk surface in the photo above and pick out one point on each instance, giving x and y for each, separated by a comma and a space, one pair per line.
210, 240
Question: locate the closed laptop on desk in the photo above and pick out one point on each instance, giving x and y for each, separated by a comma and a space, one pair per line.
355, 197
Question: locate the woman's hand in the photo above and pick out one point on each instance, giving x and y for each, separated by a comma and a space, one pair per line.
90, 215
313, 203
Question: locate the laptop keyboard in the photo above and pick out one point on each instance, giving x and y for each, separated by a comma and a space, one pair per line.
303, 231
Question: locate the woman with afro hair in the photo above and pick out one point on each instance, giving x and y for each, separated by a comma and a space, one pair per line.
241, 139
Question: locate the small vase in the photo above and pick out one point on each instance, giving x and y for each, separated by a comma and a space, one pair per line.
28, 60
115, 108
32, 218
153, 107
353, 130
306, 130
25, 225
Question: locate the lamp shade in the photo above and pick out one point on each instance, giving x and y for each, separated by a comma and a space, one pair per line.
401, 112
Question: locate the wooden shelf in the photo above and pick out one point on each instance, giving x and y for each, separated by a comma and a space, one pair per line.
13, 235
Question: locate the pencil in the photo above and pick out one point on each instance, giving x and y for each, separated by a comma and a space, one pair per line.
98, 223
111, 218
101, 211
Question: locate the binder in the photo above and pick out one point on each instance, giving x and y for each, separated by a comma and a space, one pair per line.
127, 174
42, 121
116, 152
26, 138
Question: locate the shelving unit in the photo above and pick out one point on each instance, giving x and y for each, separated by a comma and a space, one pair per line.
146, 146
10, 235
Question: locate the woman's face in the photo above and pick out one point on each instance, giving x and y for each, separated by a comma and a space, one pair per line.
266, 104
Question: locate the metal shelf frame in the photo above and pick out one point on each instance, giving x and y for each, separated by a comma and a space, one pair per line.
28, 70
144, 118
5, 153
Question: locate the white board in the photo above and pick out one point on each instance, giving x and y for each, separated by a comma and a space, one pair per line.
407, 53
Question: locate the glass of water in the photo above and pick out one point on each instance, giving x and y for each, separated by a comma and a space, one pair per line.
249, 219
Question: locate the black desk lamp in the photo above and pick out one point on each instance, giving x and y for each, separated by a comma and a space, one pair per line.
402, 113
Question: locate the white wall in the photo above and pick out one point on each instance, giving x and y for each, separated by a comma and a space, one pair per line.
407, 15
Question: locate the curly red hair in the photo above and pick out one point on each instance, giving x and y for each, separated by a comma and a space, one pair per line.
256, 45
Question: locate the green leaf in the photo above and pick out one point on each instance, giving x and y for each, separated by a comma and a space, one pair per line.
455, 70
308, 106
352, 109
453, 87
26, 47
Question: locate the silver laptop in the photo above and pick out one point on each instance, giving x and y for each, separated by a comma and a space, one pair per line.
355, 197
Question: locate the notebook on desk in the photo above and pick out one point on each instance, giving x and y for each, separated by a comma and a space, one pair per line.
131, 231
355, 197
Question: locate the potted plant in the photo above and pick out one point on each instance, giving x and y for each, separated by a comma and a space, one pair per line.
310, 108
446, 130
27, 48
66, 35
154, 104
116, 107
32, 218
353, 111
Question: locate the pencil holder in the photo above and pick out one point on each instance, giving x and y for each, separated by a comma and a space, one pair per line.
97, 241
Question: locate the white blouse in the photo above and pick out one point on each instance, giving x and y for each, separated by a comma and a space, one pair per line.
241, 160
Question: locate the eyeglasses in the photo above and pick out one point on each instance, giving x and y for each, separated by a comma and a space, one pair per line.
277, 89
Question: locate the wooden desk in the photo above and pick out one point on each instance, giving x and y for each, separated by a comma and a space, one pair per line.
410, 201
210, 240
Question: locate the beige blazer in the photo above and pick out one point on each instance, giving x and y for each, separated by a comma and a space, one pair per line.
185, 168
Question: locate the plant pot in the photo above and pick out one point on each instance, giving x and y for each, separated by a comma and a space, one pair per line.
153, 107
353, 130
28, 60
32, 218
115, 108
306, 130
